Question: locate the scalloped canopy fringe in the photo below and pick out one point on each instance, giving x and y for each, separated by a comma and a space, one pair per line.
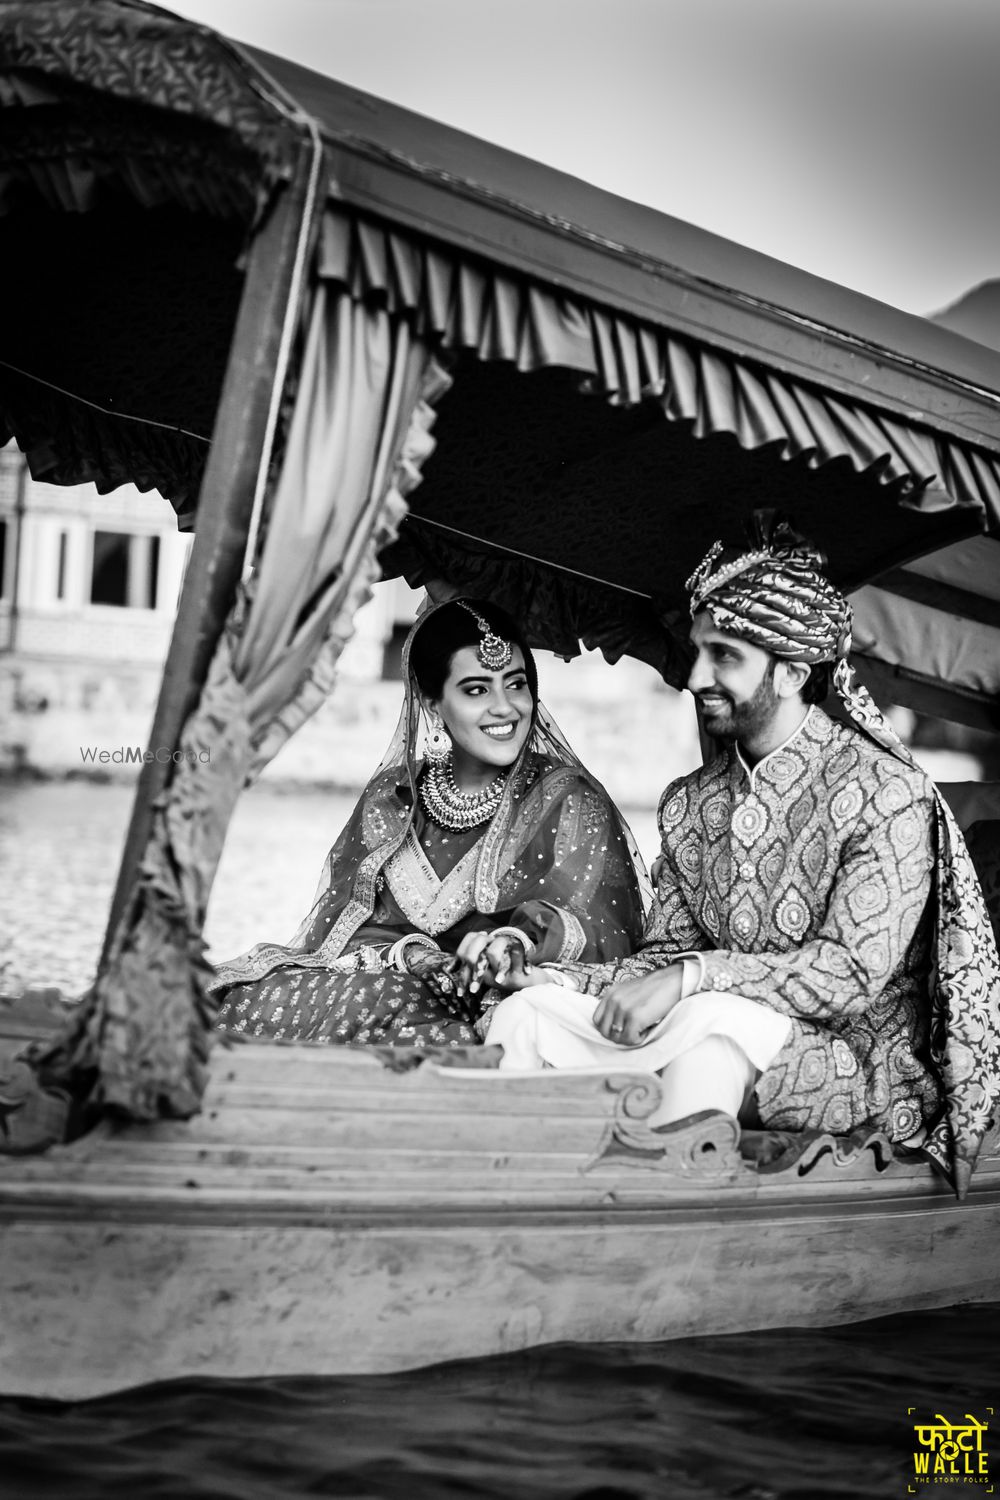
465, 305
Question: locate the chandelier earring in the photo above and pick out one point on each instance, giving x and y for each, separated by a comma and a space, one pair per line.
438, 746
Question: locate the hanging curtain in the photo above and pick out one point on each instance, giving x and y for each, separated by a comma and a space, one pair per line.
360, 429
360, 569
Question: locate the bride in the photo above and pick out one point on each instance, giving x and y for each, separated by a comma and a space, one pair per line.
495, 829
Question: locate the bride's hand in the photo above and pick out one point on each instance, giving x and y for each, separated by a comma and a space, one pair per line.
498, 960
446, 975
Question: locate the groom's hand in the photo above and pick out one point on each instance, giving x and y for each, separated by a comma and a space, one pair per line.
628, 1010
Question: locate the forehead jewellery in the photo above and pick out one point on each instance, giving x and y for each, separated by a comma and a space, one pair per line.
493, 651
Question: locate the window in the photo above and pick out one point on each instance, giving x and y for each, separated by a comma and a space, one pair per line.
109, 577
125, 569
61, 566
151, 571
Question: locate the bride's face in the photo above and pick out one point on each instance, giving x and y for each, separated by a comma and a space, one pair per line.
487, 714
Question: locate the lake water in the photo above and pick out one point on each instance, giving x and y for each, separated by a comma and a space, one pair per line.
60, 844
795, 1415
780, 1416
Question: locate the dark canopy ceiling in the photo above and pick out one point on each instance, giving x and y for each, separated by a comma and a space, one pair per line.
533, 481
114, 315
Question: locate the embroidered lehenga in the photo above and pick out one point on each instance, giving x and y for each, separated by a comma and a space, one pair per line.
555, 862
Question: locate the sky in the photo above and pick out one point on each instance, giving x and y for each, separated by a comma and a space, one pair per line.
854, 138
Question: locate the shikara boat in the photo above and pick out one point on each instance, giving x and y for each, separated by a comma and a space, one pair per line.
346, 341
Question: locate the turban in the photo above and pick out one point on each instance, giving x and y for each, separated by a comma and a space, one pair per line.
776, 597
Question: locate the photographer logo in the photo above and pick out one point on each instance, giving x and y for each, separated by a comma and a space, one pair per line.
947, 1454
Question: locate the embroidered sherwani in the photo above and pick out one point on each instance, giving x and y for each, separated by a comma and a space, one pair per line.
803, 884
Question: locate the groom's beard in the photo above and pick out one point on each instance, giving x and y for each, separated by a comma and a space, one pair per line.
730, 720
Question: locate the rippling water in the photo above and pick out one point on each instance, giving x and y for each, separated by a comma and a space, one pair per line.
60, 844
800, 1414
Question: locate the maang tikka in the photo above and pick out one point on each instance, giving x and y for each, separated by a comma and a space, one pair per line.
493, 651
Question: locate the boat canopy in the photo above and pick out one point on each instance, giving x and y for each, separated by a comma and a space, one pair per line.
161, 147
346, 341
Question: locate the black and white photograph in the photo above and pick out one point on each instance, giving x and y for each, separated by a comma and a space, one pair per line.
499, 749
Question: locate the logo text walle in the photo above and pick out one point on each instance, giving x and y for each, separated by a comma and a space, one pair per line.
948, 1453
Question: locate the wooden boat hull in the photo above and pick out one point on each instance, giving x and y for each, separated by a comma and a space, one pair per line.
326, 1215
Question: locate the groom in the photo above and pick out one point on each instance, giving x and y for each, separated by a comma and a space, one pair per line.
787, 961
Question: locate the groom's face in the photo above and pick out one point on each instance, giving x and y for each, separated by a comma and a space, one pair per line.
732, 681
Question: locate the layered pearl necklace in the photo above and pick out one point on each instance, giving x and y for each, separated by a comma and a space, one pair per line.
452, 808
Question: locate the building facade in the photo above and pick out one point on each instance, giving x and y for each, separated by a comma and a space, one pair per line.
85, 577
89, 585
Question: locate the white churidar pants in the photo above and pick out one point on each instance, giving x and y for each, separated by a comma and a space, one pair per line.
709, 1050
